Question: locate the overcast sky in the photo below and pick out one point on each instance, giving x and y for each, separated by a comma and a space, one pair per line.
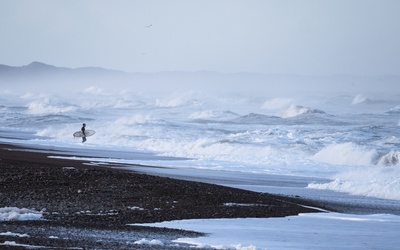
313, 37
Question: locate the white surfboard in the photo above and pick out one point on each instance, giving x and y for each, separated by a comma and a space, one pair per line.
87, 132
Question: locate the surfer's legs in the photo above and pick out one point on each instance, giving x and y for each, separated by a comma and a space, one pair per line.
83, 139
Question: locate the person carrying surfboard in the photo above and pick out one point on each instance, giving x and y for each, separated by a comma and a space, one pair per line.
83, 132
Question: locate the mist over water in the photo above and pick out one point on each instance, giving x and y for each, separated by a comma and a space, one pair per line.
293, 128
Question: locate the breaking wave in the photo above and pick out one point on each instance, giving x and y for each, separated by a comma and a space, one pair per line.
358, 99
380, 182
348, 154
395, 110
295, 110
362, 99
229, 132
254, 118
370, 175
216, 115
46, 106
390, 159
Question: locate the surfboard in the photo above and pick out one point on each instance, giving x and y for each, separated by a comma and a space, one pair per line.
87, 132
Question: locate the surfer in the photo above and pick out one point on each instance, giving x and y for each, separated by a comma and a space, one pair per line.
83, 132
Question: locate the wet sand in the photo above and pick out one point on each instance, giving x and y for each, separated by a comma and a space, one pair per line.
89, 207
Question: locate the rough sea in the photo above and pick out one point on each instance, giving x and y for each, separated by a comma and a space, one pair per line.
352, 140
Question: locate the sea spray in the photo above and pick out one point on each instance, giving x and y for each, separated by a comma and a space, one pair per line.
375, 181
348, 154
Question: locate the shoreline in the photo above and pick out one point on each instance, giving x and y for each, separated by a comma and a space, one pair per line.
94, 200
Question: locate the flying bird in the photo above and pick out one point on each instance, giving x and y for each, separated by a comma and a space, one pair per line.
148, 26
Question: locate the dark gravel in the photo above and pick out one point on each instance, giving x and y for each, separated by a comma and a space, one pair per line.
89, 207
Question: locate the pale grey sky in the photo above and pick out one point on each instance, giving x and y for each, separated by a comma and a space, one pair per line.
313, 37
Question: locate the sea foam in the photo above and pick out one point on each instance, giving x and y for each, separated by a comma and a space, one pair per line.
15, 214
46, 106
230, 132
348, 154
381, 182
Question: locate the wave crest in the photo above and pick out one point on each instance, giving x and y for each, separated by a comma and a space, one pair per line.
395, 110
359, 99
348, 154
255, 118
362, 99
295, 110
217, 115
373, 181
46, 106
390, 159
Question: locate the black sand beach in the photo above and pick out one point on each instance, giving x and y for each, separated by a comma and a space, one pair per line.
89, 207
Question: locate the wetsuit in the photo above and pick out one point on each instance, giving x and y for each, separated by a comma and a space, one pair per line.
84, 135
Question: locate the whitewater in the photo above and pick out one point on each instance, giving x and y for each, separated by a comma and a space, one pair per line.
352, 140
340, 146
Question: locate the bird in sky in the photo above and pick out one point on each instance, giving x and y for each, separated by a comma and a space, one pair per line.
148, 26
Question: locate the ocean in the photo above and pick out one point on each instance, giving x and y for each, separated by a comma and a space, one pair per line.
349, 138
